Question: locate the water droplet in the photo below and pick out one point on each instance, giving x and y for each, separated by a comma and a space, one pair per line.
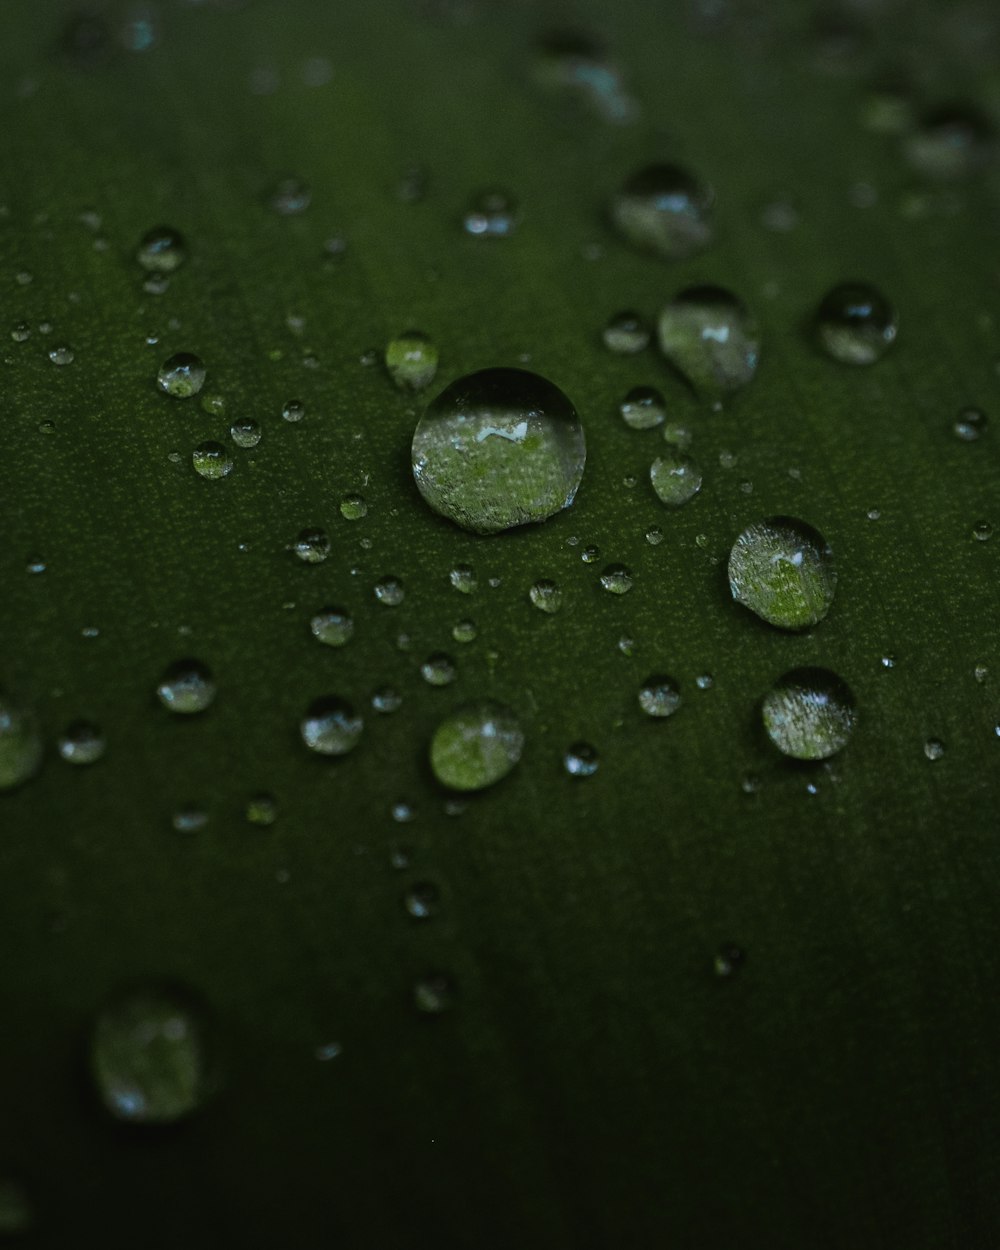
659, 696
389, 590
262, 809
438, 669
61, 355
665, 210
331, 726
809, 714
464, 631
245, 432
293, 411
35, 564
616, 579
312, 546
422, 900
402, 813
855, 324
581, 760
211, 461
21, 332
161, 250
625, 334
982, 530
546, 596
463, 579
152, 1055
729, 959
412, 361
386, 700
589, 555
353, 507
491, 214
710, 337
934, 748
186, 687
189, 819
181, 376
626, 645
980, 672
676, 478
950, 142
82, 743
476, 746
433, 994
783, 570
573, 63
969, 425
20, 744
704, 681
289, 197
499, 448
654, 536
874, 514
332, 626
643, 408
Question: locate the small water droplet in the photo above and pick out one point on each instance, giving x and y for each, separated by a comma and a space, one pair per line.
402, 813
654, 536
970, 425
412, 361
491, 214
438, 669
327, 1051
245, 432
161, 250
35, 564
312, 546
211, 461
463, 579
704, 681
21, 332
934, 748
82, 742
626, 645
182, 376
332, 626
980, 672
331, 726
20, 743
710, 337
293, 411
581, 759
389, 590
729, 959
262, 809
499, 448
626, 333
616, 579
665, 210
422, 900
353, 507
289, 196
62, 355
675, 477
950, 142
589, 555
855, 324
186, 687
659, 696
464, 631
433, 994
809, 714
874, 514
546, 596
782, 569
572, 63
982, 530
189, 819
386, 700
476, 746
643, 408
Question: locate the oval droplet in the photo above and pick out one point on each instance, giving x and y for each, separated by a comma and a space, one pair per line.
546, 596
581, 759
412, 361
783, 570
616, 579
187, 687
245, 432
950, 142
182, 376
659, 696
331, 726
665, 210
332, 626
809, 714
476, 746
710, 337
675, 477
643, 408
82, 742
161, 250
855, 324
491, 214
626, 334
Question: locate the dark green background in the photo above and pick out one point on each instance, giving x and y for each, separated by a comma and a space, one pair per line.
594, 1084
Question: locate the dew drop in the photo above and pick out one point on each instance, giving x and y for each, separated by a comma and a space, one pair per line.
62, 355
491, 214
412, 361
422, 900
590, 555
353, 507
581, 759
20, 744
709, 336
387, 700
463, 579
293, 411
659, 696
982, 531
654, 536
934, 749
438, 669
573, 63
950, 142
262, 809
665, 210
331, 726
332, 626
476, 746
809, 714
21, 332
433, 994
161, 250
782, 569
970, 425
82, 742
245, 432
182, 376
643, 408
675, 477
855, 324
626, 334
312, 546
499, 448
546, 596
464, 631
389, 591
187, 687
211, 461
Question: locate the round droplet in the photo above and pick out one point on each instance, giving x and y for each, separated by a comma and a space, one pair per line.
412, 361
809, 714
262, 809
293, 411
581, 760
491, 214
546, 596
161, 250
20, 744
186, 687
211, 461
654, 536
438, 669
182, 376
499, 448
659, 696
970, 425
152, 1055
82, 743
783, 570
422, 900
709, 336
389, 590
643, 408
934, 749
62, 355
312, 546
245, 432
463, 579
665, 210
353, 507
676, 478
464, 631
616, 579
289, 197
331, 726
476, 746
982, 531
625, 334
433, 994
332, 626
950, 142
855, 324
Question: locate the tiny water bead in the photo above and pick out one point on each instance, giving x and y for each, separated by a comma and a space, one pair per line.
665, 210
464, 631
153, 1056
289, 196
422, 900
643, 408
970, 425
312, 546
677, 434
261, 809
783, 570
353, 507
187, 687
950, 142
809, 714
982, 531
20, 743
934, 749
659, 696
463, 579
389, 591
491, 214
710, 337
497, 449
438, 669
245, 432
62, 355
590, 555
625, 334
855, 324
729, 959
82, 742
189, 819
675, 478
616, 579
181, 376
332, 626
476, 745
433, 994
161, 250
546, 596
654, 536
211, 461
293, 411
331, 726
412, 361
387, 700
581, 759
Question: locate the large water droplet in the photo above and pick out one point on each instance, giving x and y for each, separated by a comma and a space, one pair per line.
664, 209
783, 570
182, 376
855, 324
161, 250
82, 742
186, 687
331, 726
709, 336
476, 746
412, 361
499, 448
676, 478
809, 713
659, 696
20, 744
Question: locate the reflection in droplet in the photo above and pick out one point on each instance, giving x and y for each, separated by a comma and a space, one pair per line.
182, 376
643, 408
332, 626
211, 461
